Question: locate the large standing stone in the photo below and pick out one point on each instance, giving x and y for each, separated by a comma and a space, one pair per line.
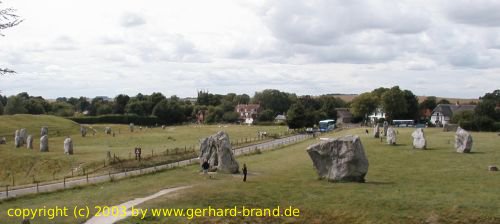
216, 149
131, 127
419, 139
376, 131
107, 130
68, 146
83, 131
340, 159
44, 143
386, 126
391, 136
44, 131
29, 142
463, 141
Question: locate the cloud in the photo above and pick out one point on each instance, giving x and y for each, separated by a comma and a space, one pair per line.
130, 19
478, 12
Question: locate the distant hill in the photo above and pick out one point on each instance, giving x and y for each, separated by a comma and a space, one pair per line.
58, 126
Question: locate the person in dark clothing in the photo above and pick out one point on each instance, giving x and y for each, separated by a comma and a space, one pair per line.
244, 172
205, 167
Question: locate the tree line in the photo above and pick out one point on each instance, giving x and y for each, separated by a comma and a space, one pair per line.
300, 111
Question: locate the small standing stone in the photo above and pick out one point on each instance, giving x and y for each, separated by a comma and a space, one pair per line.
68, 146
463, 141
83, 131
107, 130
17, 141
131, 127
419, 139
391, 136
492, 168
3, 141
29, 142
376, 131
163, 127
44, 131
44, 143
23, 134
386, 126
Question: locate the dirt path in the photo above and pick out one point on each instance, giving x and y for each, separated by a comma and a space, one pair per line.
129, 204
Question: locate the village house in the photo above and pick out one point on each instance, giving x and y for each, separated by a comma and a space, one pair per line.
344, 116
248, 112
443, 113
279, 119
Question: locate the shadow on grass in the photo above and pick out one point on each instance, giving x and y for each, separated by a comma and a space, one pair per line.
378, 183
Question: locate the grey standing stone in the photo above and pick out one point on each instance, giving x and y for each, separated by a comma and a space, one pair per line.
107, 130
23, 134
463, 141
419, 141
340, 159
131, 127
376, 131
163, 127
216, 149
17, 141
3, 141
44, 143
68, 146
29, 142
386, 126
44, 131
391, 136
83, 131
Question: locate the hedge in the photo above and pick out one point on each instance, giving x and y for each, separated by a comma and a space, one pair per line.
117, 119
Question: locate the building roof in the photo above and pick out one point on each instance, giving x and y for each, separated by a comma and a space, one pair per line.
248, 106
343, 112
449, 109
280, 117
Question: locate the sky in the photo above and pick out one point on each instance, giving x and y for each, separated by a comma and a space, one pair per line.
177, 47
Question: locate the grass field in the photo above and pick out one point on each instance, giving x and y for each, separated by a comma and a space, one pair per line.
403, 186
26, 166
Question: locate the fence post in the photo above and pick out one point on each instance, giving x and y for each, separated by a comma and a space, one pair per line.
37, 191
87, 178
7, 191
64, 182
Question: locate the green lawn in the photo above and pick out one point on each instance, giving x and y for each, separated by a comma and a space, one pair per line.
403, 186
90, 152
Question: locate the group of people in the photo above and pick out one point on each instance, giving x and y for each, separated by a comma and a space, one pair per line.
205, 166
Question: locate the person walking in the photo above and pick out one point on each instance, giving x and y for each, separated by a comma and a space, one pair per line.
205, 167
245, 171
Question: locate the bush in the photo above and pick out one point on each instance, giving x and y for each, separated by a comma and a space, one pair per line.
117, 119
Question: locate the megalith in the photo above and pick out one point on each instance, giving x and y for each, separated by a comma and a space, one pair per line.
340, 159
217, 151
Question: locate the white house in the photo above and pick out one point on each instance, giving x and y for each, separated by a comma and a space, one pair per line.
377, 114
443, 113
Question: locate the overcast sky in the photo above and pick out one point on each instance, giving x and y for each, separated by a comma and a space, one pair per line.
107, 47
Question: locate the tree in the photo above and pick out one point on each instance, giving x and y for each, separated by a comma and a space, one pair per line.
1, 108
364, 104
429, 103
266, 115
8, 19
15, 105
296, 117
35, 106
443, 101
120, 103
62, 109
411, 105
394, 103
274, 100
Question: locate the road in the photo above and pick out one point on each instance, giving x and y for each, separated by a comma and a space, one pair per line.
79, 181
